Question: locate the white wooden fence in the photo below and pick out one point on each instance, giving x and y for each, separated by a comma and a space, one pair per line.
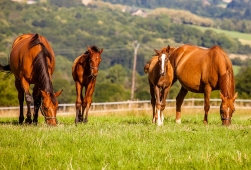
140, 105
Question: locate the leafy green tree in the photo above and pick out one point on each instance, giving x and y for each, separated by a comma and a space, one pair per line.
242, 81
107, 92
8, 91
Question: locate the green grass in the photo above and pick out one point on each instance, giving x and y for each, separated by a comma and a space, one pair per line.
127, 142
233, 34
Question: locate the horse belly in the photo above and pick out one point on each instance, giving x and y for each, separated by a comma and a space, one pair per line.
190, 78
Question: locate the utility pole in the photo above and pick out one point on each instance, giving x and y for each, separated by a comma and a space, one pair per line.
136, 46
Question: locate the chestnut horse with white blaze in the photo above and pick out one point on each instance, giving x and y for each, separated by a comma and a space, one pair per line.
202, 70
84, 73
32, 61
160, 77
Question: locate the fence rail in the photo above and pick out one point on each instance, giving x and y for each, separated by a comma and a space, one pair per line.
141, 105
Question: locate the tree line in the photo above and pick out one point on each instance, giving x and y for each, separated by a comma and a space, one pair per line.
235, 16
70, 27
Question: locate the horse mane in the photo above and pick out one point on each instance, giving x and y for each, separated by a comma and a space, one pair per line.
35, 41
226, 81
40, 66
93, 48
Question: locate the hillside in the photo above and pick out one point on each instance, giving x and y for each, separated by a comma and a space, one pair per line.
70, 26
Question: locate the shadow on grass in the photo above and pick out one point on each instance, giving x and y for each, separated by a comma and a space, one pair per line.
137, 121
10, 122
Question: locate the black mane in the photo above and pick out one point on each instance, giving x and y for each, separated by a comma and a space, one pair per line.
40, 68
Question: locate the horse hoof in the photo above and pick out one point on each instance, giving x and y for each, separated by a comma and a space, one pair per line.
21, 119
80, 119
85, 121
178, 121
205, 122
160, 124
35, 122
28, 120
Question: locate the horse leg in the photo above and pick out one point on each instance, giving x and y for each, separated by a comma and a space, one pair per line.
158, 105
88, 99
20, 99
37, 103
78, 101
153, 101
163, 103
179, 101
207, 92
82, 109
28, 99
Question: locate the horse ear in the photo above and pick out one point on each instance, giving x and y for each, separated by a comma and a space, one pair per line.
58, 93
156, 51
45, 94
221, 96
168, 49
101, 50
89, 49
235, 96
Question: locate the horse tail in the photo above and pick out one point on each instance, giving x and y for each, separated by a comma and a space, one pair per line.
36, 41
5, 68
146, 68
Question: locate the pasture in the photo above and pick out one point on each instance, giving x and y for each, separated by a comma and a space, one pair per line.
128, 141
244, 38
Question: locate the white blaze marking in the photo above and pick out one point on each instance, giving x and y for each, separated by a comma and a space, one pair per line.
163, 57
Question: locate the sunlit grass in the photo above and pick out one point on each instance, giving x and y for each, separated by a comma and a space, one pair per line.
128, 141
233, 34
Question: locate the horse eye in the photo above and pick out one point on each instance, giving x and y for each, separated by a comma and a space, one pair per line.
221, 111
90, 61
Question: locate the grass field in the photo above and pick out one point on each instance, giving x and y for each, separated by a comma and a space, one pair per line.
236, 69
128, 141
244, 38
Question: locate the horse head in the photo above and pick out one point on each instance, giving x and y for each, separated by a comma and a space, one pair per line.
163, 57
49, 107
94, 60
227, 109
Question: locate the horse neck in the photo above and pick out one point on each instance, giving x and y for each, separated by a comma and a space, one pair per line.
227, 84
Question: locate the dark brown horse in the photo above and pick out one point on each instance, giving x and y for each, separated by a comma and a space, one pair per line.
84, 73
160, 77
202, 70
32, 61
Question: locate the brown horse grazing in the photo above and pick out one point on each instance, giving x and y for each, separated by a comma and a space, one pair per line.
32, 61
160, 77
84, 73
202, 70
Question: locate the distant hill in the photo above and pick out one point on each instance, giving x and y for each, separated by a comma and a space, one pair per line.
207, 8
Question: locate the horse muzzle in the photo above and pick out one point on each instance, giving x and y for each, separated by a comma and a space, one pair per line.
226, 121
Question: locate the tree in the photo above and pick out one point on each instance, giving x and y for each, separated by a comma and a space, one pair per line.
8, 91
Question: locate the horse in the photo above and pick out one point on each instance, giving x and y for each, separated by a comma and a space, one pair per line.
160, 77
202, 70
84, 73
32, 61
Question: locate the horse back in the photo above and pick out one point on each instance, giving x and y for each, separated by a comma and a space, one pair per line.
195, 66
22, 56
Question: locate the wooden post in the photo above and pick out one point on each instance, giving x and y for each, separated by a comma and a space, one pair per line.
136, 45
